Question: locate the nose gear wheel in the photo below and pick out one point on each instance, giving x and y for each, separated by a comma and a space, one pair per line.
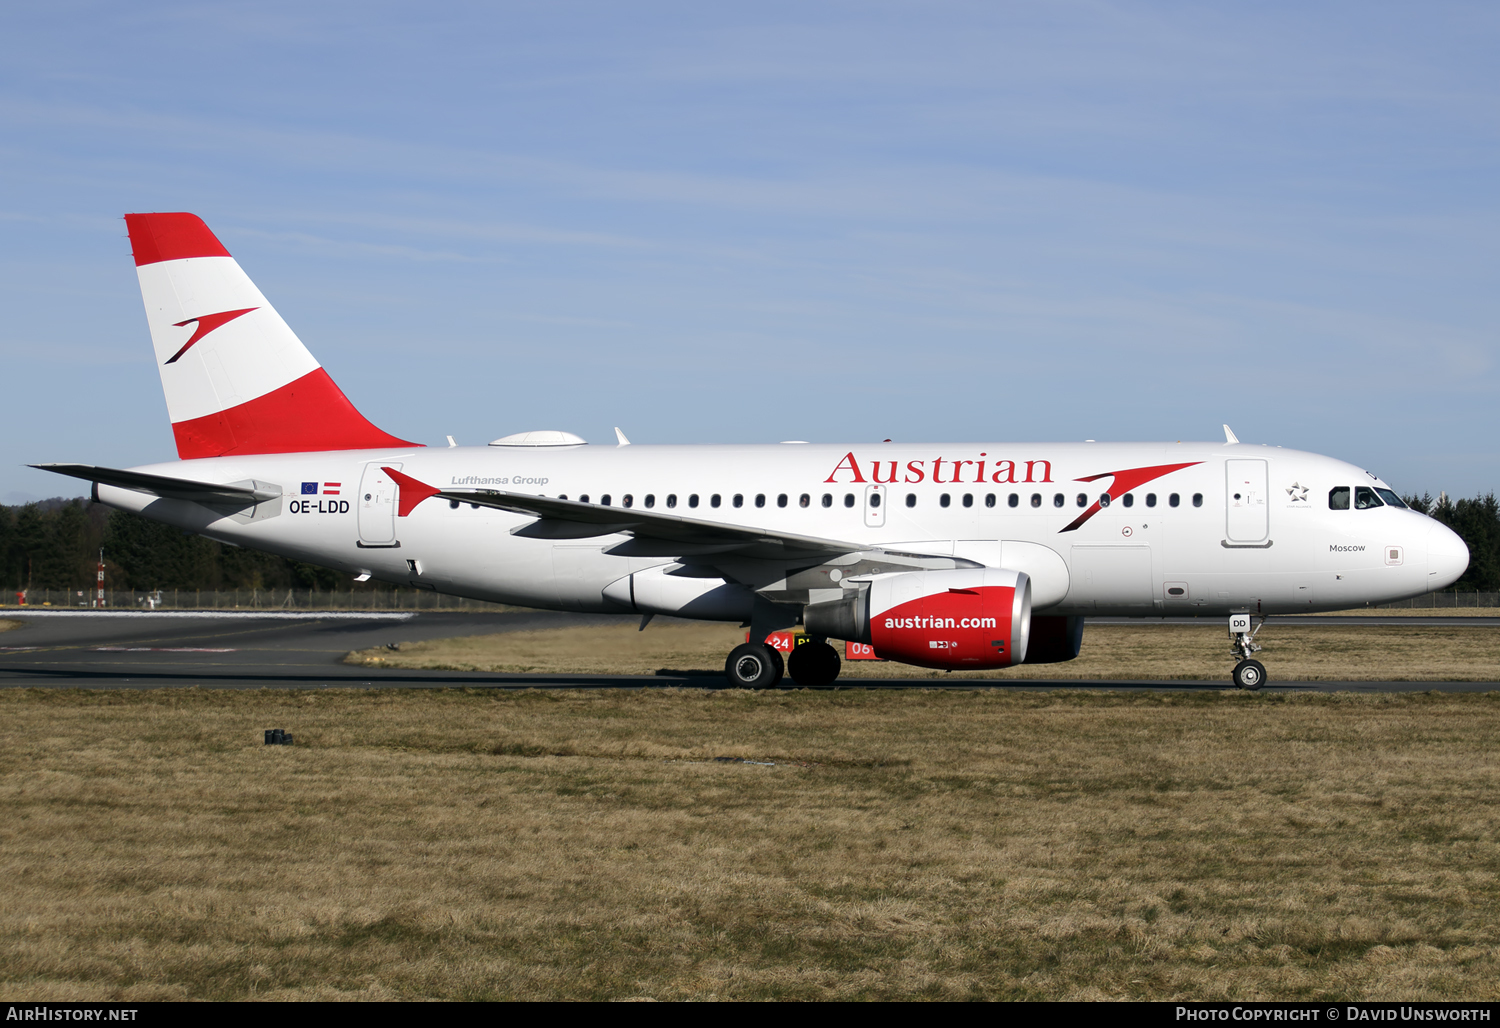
1249, 675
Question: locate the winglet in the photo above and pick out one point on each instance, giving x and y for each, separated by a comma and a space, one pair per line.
621, 436
1229, 437
412, 491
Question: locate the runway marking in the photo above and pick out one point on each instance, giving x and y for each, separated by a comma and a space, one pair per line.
161, 649
248, 615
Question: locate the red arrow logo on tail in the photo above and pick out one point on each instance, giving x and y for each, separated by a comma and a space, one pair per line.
1125, 481
206, 324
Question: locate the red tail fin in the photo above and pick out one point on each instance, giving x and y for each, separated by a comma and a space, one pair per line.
237, 378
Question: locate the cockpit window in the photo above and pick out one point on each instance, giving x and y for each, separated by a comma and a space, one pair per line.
1365, 498
1338, 498
1390, 498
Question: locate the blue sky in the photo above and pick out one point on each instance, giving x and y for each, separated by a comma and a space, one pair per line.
740, 223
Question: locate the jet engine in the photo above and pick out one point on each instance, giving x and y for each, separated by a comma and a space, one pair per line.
970, 618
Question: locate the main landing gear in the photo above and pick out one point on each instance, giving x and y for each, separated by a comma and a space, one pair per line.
813, 663
754, 666
759, 666
1248, 674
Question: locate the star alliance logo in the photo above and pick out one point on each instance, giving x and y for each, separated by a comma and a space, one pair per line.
1298, 493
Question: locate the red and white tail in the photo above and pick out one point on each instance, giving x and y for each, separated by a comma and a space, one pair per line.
237, 378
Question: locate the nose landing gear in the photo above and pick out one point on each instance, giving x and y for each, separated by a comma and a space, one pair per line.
1248, 674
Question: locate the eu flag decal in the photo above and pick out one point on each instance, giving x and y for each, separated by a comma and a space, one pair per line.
309, 488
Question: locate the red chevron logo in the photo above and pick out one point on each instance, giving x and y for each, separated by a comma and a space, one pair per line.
1130, 478
206, 324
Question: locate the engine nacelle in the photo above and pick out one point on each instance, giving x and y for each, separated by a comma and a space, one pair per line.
964, 618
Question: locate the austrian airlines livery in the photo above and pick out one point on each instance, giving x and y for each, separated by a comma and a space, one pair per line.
942, 555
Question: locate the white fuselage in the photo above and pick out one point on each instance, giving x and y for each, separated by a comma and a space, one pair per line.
1251, 527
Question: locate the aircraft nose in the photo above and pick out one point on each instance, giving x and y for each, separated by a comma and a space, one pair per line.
1447, 557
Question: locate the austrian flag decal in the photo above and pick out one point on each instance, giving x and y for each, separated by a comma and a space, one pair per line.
329, 488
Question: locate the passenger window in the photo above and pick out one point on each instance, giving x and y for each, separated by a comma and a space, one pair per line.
848, 499
1128, 499
671, 499
1197, 499
1036, 499
1083, 501
968, 499
760, 499
650, 499
1014, 500
781, 500
604, 499
1151, 499
693, 500
627, 500
911, 499
739, 499
1365, 498
1058, 500
453, 504
1104, 499
804, 500
713, 501
944, 500
874, 500
989, 499
562, 496
584, 498
827, 500
1173, 500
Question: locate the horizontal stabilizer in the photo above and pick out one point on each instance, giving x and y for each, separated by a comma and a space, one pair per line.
168, 488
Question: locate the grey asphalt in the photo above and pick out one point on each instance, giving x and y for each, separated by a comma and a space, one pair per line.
226, 650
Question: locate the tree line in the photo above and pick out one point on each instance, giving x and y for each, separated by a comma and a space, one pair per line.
55, 544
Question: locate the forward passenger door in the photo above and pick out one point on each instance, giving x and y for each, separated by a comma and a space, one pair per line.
1247, 518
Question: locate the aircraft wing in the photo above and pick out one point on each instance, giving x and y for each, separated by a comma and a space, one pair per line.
655, 534
161, 485
571, 519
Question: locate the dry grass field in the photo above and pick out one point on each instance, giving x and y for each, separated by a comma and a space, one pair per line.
1110, 652
858, 844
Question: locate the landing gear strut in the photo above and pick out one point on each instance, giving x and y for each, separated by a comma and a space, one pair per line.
754, 666
1248, 674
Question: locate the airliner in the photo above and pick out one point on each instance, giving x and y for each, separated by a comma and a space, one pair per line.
954, 556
